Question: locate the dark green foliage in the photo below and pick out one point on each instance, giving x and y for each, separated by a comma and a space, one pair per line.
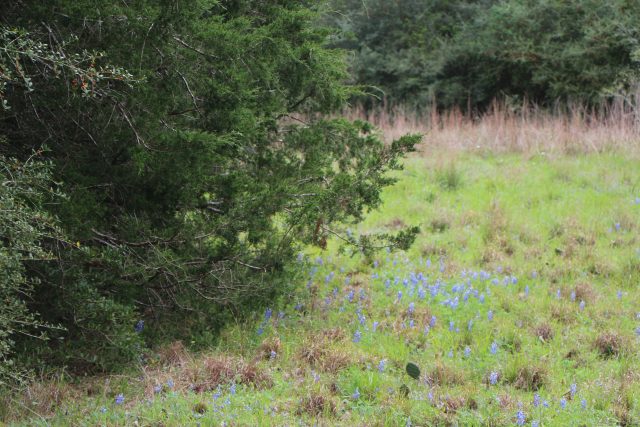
468, 53
413, 371
193, 180
24, 226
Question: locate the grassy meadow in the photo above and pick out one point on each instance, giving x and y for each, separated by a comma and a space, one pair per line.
518, 302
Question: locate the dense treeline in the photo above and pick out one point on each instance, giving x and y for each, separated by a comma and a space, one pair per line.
155, 182
469, 52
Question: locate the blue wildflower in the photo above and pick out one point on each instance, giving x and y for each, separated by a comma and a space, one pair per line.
582, 304
273, 354
493, 378
356, 394
481, 298
563, 403
573, 389
357, 336
619, 294
452, 325
375, 325
157, 389
381, 365
267, 314
573, 295
120, 399
170, 383
535, 423
103, 410
490, 315
412, 307
232, 389
520, 418
536, 400
494, 347
583, 403
432, 322
139, 326
467, 351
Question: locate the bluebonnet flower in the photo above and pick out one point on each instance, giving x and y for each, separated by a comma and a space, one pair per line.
573, 389
411, 323
520, 418
432, 322
514, 280
558, 294
617, 226
545, 404
426, 330
412, 307
351, 295
573, 295
139, 326
281, 313
232, 389
535, 423
637, 200
493, 378
170, 383
536, 400
267, 314
526, 290
316, 377
428, 263
357, 336
120, 399
534, 274
356, 394
298, 307
619, 294
375, 325
494, 347
450, 354
563, 403
300, 257
583, 403
399, 295
481, 298
363, 295
273, 354
381, 365
452, 325
260, 330
582, 304
490, 315
157, 388
347, 280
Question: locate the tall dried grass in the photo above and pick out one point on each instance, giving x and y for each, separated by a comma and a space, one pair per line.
525, 129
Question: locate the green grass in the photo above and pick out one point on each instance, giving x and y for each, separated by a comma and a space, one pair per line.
536, 225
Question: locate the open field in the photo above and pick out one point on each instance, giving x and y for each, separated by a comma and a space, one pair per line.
519, 303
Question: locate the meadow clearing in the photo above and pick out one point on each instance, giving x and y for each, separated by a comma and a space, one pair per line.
518, 303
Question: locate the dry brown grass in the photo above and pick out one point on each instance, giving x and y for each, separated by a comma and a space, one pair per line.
525, 129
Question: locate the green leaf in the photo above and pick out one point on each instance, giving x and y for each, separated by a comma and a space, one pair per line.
413, 370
